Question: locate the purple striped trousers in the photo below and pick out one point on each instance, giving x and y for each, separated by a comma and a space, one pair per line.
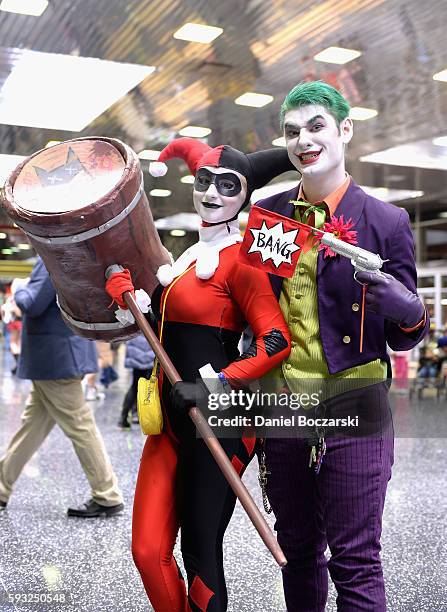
341, 507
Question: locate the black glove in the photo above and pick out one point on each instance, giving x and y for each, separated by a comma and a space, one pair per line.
388, 297
185, 395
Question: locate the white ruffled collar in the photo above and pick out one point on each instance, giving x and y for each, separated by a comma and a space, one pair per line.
213, 238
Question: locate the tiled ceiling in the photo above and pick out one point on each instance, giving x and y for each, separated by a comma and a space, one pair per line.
267, 47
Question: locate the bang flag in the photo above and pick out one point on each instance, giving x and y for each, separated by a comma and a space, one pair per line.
273, 242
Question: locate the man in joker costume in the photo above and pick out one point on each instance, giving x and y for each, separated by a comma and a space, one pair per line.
339, 502
207, 298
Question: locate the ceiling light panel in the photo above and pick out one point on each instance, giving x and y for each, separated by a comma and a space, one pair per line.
197, 32
279, 142
187, 221
53, 82
188, 179
34, 8
419, 154
337, 55
195, 131
360, 113
150, 154
272, 189
254, 99
391, 195
382, 193
440, 76
8, 163
160, 193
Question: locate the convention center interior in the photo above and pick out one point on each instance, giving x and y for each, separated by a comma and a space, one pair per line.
223, 297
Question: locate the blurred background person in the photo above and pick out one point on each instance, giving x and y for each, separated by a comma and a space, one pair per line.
12, 318
94, 388
106, 358
140, 359
3, 330
90, 387
400, 362
55, 359
428, 366
442, 356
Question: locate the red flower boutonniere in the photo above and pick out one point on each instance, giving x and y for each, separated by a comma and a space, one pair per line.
341, 230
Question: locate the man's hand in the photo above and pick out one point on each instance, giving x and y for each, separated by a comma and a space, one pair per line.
185, 395
117, 284
389, 298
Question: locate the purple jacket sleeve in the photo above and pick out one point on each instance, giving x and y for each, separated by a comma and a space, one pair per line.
402, 267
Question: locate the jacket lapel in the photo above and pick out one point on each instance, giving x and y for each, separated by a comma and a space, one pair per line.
352, 204
284, 206
351, 207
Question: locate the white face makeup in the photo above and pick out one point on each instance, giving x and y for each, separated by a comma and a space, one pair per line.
212, 206
314, 142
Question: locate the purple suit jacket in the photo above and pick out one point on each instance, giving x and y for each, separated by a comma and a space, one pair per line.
381, 228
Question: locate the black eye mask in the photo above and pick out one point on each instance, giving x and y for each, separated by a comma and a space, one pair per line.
227, 183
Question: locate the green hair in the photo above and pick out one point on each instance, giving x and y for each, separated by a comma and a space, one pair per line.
316, 92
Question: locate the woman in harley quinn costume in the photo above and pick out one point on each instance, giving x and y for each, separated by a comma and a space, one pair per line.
214, 297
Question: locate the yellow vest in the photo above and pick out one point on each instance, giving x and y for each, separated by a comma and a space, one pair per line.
298, 302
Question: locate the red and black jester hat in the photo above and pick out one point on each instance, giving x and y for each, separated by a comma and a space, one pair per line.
259, 168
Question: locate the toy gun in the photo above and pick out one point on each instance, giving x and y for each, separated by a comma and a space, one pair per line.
361, 259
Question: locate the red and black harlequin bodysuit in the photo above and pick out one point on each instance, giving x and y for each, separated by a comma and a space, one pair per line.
179, 483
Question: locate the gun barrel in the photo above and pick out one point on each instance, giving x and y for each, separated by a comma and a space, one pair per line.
360, 258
